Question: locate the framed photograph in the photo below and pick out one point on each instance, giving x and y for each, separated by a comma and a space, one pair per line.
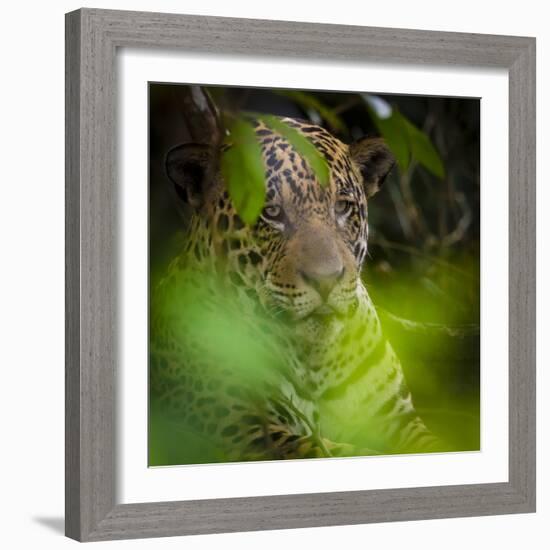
300, 275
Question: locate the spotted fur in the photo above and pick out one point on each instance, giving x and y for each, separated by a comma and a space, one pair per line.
335, 385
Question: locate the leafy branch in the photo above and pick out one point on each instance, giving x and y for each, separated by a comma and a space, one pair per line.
242, 164
404, 139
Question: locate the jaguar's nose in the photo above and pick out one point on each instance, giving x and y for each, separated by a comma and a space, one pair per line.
322, 281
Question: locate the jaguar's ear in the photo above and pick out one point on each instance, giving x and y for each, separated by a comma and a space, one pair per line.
188, 166
374, 160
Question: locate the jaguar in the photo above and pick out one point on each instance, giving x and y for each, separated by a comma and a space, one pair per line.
318, 378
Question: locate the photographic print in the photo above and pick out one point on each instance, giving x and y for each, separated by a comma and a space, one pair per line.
314, 264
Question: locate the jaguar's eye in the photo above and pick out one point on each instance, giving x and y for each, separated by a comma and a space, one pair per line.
343, 207
272, 212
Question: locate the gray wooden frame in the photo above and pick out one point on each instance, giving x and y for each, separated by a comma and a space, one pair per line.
92, 39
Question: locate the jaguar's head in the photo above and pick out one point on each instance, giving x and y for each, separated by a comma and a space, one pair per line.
303, 257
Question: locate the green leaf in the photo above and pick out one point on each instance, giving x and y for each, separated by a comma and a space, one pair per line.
303, 146
392, 130
243, 170
403, 138
309, 101
422, 148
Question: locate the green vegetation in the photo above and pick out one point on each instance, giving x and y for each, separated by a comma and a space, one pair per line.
405, 140
422, 270
242, 165
243, 170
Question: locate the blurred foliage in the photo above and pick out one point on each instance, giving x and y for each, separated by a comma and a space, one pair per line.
219, 339
423, 266
225, 337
